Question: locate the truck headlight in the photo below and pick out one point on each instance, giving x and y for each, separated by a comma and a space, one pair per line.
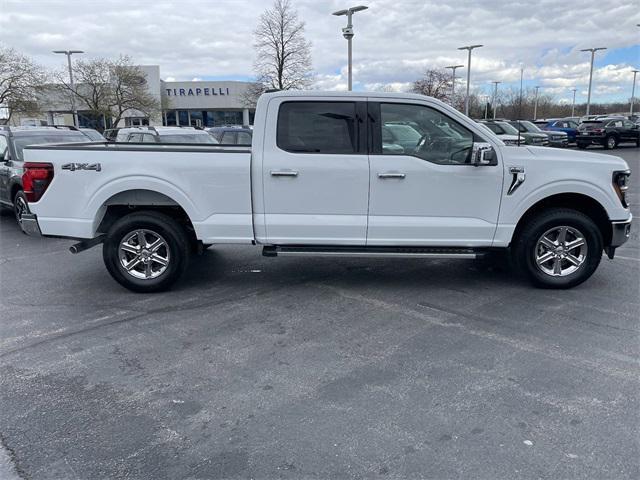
621, 185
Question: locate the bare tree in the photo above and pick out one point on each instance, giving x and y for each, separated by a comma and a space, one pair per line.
20, 81
283, 55
434, 83
129, 92
110, 88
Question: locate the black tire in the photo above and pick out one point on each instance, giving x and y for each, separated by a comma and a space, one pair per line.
174, 250
610, 142
583, 146
526, 248
20, 206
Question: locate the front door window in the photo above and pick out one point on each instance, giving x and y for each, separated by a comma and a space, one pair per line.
424, 132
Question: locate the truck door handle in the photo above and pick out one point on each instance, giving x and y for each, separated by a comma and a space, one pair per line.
391, 175
284, 173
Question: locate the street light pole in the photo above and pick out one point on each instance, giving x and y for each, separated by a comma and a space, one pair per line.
453, 81
593, 53
347, 33
573, 104
535, 104
466, 99
68, 53
495, 97
633, 91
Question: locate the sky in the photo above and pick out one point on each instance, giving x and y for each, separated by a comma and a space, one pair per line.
395, 40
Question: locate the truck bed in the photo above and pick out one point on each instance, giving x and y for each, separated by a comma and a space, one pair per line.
211, 184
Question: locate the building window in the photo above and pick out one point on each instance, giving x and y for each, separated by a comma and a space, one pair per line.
92, 120
183, 118
196, 118
170, 117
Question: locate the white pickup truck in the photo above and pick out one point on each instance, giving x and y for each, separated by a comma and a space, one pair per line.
344, 174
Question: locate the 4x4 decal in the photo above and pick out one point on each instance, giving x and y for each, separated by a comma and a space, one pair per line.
82, 166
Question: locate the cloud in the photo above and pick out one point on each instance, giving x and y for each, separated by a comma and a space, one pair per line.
395, 41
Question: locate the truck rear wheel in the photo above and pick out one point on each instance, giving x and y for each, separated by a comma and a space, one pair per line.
20, 206
146, 251
558, 248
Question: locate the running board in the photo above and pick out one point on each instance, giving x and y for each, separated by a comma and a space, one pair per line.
346, 251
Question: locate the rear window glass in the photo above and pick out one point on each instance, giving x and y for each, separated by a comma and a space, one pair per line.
22, 141
317, 127
188, 138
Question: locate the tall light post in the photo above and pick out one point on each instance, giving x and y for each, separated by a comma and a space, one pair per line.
466, 99
347, 33
453, 81
633, 91
535, 104
593, 53
495, 97
573, 104
68, 53
520, 100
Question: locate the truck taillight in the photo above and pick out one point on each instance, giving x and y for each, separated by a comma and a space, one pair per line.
36, 179
621, 185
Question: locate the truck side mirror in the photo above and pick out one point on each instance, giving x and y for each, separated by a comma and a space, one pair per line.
484, 155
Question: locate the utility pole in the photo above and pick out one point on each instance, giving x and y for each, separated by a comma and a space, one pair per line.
466, 99
535, 104
495, 97
68, 53
347, 33
593, 53
573, 104
453, 81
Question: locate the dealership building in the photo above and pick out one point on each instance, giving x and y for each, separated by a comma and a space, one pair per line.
194, 103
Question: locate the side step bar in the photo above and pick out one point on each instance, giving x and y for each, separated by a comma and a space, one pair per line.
346, 251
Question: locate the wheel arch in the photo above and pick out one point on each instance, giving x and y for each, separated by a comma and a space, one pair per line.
576, 201
129, 201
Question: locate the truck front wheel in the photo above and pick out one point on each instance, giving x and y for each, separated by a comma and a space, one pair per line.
558, 248
146, 251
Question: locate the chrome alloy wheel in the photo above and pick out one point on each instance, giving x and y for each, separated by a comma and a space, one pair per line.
144, 254
20, 208
561, 251
611, 142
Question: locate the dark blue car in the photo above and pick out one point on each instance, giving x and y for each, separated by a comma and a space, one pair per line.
560, 125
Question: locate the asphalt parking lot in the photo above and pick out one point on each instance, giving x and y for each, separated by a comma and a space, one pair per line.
303, 367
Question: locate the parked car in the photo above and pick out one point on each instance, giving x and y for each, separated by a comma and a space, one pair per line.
508, 140
608, 132
121, 134
188, 135
13, 140
556, 139
570, 127
317, 181
93, 135
502, 127
231, 135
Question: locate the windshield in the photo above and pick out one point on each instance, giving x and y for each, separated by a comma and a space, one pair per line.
22, 141
405, 133
188, 138
530, 127
508, 129
93, 135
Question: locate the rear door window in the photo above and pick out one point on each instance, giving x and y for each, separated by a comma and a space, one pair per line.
244, 138
228, 138
317, 127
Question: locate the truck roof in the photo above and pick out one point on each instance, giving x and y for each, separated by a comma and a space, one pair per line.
334, 94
